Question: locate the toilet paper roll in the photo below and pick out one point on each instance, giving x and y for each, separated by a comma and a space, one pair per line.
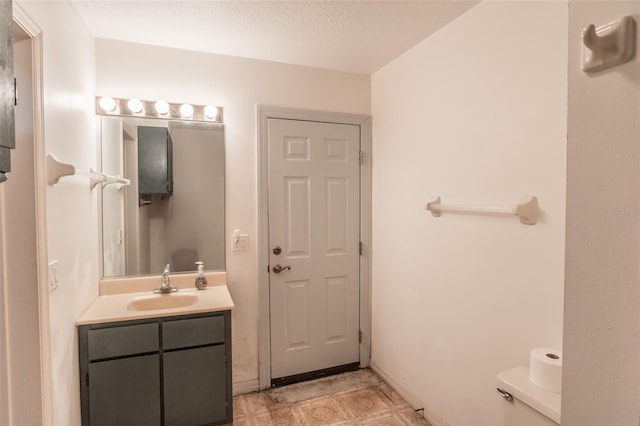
545, 369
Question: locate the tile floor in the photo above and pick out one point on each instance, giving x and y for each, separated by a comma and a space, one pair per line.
362, 404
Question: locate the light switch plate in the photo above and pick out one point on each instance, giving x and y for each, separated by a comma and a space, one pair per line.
53, 275
240, 242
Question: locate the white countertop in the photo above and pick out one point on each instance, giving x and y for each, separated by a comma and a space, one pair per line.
516, 381
113, 307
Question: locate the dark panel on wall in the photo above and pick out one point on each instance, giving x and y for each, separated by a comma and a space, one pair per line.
5, 159
155, 161
7, 88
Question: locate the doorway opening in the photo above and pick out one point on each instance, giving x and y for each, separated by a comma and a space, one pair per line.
314, 240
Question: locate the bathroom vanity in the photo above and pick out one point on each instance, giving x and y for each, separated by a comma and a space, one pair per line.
161, 359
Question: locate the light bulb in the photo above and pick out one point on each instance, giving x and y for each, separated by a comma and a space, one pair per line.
106, 103
186, 110
162, 107
134, 105
211, 111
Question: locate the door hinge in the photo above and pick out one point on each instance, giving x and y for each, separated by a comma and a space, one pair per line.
359, 336
87, 379
15, 92
361, 157
360, 247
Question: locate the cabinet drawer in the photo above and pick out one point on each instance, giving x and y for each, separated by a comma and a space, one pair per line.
192, 332
123, 341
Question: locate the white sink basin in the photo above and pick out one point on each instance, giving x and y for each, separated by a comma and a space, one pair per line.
162, 301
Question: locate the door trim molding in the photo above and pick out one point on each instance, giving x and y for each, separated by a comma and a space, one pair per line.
264, 113
46, 372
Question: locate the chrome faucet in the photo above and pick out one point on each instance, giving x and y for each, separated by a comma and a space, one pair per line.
165, 285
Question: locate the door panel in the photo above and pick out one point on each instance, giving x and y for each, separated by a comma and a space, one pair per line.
195, 386
337, 303
130, 384
297, 315
298, 232
336, 202
314, 211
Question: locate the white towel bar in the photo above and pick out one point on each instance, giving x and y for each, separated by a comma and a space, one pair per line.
526, 210
99, 177
57, 169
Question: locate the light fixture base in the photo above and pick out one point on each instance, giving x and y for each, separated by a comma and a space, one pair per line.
161, 110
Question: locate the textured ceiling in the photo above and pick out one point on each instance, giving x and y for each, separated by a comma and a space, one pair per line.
355, 36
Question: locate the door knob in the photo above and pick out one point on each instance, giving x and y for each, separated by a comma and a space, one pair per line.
277, 250
279, 268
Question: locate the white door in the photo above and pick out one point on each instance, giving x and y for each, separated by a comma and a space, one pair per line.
314, 219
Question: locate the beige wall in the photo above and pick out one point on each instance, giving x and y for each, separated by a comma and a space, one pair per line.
70, 130
601, 377
476, 113
148, 72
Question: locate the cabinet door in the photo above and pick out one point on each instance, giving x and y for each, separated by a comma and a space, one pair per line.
125, 392
155, 161
7, 88
5, 159
195, 386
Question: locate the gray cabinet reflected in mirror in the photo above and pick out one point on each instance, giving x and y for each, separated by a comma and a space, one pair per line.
180, 224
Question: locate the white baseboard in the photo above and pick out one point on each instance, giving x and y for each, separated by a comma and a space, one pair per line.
247, 386
413, 401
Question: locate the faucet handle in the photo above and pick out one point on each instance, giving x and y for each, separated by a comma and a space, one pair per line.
167, 270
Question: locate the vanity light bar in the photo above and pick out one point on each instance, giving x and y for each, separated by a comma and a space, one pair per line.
164, 110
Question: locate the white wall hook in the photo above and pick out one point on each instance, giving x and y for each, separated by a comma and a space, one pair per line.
608, 45
57, 169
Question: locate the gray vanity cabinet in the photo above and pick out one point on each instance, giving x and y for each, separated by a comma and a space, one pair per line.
193, 396
170, 371
122, 374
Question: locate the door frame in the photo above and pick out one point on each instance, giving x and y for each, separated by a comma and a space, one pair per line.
264, 113
32, 29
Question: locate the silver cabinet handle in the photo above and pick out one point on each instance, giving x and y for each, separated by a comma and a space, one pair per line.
279, 268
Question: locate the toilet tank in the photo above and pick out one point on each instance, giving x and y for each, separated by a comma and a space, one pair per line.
530, 405
517, 413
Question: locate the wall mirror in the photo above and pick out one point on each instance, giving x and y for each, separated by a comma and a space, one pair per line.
152, 222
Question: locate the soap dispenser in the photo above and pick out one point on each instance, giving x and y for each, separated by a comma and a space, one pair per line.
201, 280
